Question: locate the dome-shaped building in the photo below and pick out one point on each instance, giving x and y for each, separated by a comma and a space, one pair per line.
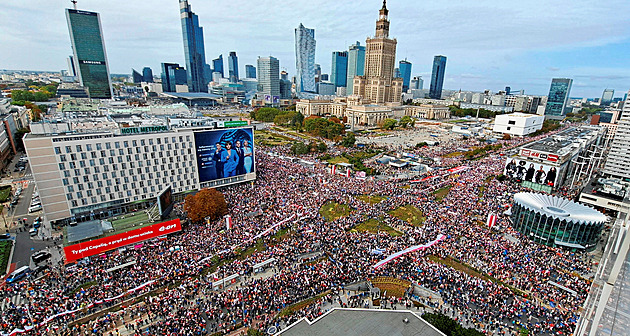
555, 221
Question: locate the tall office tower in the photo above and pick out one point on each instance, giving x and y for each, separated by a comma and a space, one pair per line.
147, 75
378, 85
618, 159
437, 77
136, 77
558, 98
250, 71
194, 49
268, 77
207, 72
233, 67
339, 69
285, 87
607, 97
284, 75
71, 69
417, 83
356, 64
172, 75
217, 65
305, 59
405, 73
90, 58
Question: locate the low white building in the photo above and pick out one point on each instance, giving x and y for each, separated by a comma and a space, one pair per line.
519, 124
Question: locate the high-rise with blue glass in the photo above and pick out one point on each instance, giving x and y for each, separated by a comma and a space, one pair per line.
172, 75
437, 77
90, 58
233, 67
339, 69
217, 65
194, 50
405, 72
147, 75
558, 98
356, 64
305, 59
250, 71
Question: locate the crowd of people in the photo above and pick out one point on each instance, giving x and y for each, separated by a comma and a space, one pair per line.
504, 279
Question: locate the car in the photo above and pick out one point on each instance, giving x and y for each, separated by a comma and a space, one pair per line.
15, 201
35, 208
5, 236
39, 269
32, 232
36, 203
41, 256
37, 224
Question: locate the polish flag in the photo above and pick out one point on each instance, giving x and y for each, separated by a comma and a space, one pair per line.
348, 172
228, 222
492, 220
333, 169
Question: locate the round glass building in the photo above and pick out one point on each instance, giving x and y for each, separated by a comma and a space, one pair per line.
555, 221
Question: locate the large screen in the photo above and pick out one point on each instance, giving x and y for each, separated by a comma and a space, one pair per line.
165, 201
224, 153
531, 172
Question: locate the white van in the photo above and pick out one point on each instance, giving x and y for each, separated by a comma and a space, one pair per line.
35, 208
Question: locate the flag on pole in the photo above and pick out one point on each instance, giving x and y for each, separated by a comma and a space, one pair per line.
228, 222
333, 169
492, 220
348, 172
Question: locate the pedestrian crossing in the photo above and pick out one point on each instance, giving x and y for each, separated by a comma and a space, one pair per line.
14, 301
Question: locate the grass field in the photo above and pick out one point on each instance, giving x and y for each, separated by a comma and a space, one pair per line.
270, 139
440, 194
374, 225
332, 211
452, 155
409, 214
5, 193
371, 199
338, 159
5, 252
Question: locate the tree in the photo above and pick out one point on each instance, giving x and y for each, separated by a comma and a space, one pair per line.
348, 140
407, 121
506, 136
321, 147
299, 148
297, 121
206, 203
421, 144
19, 135
389, 124
266, 114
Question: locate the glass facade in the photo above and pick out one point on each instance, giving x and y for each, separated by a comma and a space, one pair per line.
437, 77
558, 97
233, 67
217, 65
405, 72
194, 50
553, 228
339, 70
89, 52
172, 75
250, 71
356, 64
147, 75
305, 59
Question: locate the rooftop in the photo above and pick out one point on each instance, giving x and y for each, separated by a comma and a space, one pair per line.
191, 95
564, 142
560, 208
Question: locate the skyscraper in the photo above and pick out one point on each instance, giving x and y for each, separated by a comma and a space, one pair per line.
268, 77
250, 71
233, 67
71, 68
378, 85
217, 65
437, 77
339, 69
607, 97
173, 75
618, 159
356, 64
405, 73
194, 50
90, 58
147, 75
417, 83
558, 98
305, 59
136, 77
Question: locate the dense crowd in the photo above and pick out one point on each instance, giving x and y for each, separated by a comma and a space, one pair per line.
508, 281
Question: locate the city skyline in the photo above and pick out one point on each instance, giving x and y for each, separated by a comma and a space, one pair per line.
482, 56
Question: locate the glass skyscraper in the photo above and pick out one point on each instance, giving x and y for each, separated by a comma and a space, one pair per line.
437, 77
147, 75
356, 64
339, 70
136, 77
172, 75
217, 65
558, 98
250, 71
90, 58
233, 67
194, 50
268, 78
405, 72
607, 97
305, 59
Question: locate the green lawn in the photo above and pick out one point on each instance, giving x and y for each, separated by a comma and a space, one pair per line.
440, 194
271, 139
332, 211
374, 225
338, 159
409, 214
5, 193
5, 252
371, 199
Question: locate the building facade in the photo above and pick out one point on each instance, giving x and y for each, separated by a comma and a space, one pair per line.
194, 49
405, 72
217, 65
250, 71
607, 97
339, 69
233, 67
437, 77
305, 59
136, 77
172, 75
268, 77
518, 124
558, 98
428, 111
618, 161
147, 75
90, 58
378, 85
356, 64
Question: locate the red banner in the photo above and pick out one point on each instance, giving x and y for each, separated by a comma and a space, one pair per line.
97, 246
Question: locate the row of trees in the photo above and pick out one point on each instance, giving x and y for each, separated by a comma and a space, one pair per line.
330, 128
548, 126
390, 124
300, 148
483, 113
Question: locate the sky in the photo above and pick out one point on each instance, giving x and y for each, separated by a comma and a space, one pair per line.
490, 44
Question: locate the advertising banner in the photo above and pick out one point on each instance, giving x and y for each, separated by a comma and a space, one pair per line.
224, 153
97, 246
165, 201
532, 172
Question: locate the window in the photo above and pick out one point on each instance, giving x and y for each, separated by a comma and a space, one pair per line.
57, 150
512, 122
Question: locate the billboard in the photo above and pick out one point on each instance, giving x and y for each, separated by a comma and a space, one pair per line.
98, 246
165, 201
531, 173
224, 153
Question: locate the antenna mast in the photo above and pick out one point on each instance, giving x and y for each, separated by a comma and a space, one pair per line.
74, 3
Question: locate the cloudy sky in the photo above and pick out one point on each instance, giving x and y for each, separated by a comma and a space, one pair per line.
490, 44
